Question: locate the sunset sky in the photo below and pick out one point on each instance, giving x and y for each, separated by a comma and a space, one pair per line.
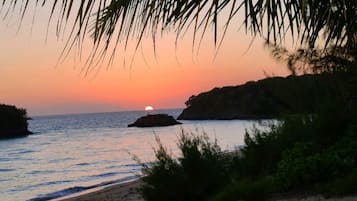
29, 76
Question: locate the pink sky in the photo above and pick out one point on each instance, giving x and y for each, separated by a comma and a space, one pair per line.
29, 78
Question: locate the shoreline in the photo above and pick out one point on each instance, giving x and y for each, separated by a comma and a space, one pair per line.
127, 191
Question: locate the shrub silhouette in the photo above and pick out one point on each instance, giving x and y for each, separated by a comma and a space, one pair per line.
201, 170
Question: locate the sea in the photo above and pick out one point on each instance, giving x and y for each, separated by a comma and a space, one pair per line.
68, 154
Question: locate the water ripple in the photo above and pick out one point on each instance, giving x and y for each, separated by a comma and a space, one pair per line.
83, 164
42, 172
20, 152
60, 160
7, 170
108, 174
35, 186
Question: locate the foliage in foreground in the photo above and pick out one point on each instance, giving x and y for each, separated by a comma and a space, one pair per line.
245, 189
200, 171
316, 152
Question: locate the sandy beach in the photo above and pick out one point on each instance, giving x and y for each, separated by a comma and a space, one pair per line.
130, 192
120, 192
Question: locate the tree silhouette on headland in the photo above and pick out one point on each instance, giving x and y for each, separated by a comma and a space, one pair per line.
13, 121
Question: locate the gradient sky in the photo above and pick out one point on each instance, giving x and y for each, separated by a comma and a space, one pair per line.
29, 76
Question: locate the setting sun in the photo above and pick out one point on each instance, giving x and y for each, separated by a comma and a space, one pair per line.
149, 108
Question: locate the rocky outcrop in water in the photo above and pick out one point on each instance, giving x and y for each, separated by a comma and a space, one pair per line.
153, 120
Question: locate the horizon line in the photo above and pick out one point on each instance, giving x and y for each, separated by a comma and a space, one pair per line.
84, 113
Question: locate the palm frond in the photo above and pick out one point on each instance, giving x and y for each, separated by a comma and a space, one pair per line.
117, 21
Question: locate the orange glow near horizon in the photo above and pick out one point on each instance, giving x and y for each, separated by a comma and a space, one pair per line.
29, 78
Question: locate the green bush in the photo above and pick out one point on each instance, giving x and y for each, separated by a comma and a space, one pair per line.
326, 153
347, 146
264, 149
200, 171
321, 131
245, 190
299, 168
342, 185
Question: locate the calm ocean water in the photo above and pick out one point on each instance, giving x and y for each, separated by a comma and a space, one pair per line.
71, 153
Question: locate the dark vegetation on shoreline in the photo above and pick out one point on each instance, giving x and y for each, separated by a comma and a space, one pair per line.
313, 152
269, 98
13, 122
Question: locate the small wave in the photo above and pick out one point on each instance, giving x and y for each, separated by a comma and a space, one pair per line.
134, 165
58, 194
13, 159
25, 152
114, 167
6, 159
7, 170
42, 172
60, 160
83, 164
77, 189
44, 144
109, 174
20, 152
50, 183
